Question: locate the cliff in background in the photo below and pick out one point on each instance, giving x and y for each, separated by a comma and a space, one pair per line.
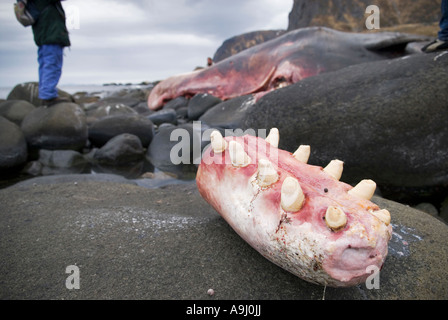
349, 15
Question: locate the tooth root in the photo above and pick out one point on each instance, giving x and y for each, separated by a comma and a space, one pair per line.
383, 215
218, 142
335, 218
335, 168
267, 174
273, 137
238, 156
365, 189
302, 154
292, 196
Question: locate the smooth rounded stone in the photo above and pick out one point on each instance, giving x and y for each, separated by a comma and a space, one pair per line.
130, 242
16, 110
444, 210
176, 103
176, 148
228, 114
117, 100
61, 158
244, 41
13, 147
29, 91
163, 116
56, 162
121, 149
109, 110
62, 126
428, 208
200, 103
108, 127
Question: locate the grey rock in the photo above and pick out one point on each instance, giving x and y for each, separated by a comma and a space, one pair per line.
120, 149
176, 148
199, 104
428, 208
228, 114
56, 162
177, 103
444, 210
62, 126
61, 158
163, 116
244, 41
16, 110
108, 127
13, 147
109, 110
29, 91
131, 242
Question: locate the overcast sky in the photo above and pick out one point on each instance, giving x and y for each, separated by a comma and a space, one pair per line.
135, 40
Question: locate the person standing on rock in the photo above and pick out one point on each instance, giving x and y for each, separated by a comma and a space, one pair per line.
51, 36
441, 42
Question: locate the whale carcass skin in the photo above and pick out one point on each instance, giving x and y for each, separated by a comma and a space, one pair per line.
299, 216
279, 62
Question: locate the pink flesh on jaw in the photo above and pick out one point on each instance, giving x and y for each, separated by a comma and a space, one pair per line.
300, 242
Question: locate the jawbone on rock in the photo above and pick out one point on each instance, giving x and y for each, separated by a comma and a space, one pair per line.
299, 216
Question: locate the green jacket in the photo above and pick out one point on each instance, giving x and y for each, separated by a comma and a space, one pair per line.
50, 27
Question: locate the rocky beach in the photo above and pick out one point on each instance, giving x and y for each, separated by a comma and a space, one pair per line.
106, 184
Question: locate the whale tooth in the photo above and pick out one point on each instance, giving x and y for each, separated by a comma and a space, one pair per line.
218, 142
267, 174
273, 137
335, 218
365, 189
383, 215
303, 153
292, 196
334, 169
238, 156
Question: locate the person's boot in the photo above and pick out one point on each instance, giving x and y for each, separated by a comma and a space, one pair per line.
52, 102
436, 45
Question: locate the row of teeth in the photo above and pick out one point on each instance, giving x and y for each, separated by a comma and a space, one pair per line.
292, 196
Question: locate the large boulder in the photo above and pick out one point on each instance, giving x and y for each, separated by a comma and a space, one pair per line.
244, 41
121, 149
386, 120
108, 127
29, 91
177, 149
15, 110
62, 126
13, 148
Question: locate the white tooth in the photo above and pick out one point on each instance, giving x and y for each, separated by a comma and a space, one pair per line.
267, 174
218, 142
238, 156
383, 215
335, 218
273, 137
303, 153
292, 196
334, 169
365, 189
